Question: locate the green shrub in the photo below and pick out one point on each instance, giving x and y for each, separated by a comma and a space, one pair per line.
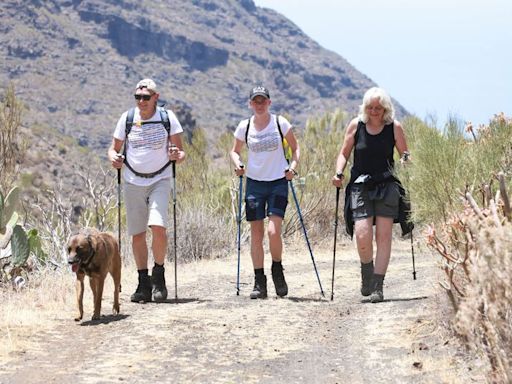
447, 163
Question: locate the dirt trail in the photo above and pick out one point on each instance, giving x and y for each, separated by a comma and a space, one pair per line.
213, 336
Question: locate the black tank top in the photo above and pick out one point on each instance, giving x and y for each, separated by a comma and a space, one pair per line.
373, 154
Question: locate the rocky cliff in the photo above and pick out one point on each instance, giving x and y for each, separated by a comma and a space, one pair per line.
75, 63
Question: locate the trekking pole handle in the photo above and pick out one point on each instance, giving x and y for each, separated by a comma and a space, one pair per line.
241, 166
172, 147
119, 157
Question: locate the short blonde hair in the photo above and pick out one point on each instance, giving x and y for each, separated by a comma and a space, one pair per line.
384, 101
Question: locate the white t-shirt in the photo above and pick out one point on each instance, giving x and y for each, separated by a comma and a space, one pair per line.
265, 161
147, 146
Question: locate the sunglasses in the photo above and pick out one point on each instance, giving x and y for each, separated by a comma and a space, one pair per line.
143, 97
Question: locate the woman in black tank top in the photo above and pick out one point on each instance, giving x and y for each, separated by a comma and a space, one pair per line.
373, 194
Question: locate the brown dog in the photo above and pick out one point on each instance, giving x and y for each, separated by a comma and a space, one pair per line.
95, 254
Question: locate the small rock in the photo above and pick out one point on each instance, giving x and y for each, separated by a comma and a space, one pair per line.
423, 347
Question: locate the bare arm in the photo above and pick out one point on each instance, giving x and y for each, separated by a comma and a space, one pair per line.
114, 153
235, 156
176, 152
400, 142
294, 146
346, 149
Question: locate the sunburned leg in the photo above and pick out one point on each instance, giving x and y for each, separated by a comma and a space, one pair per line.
274, 237
159, 244
364, 239
383, 235
140, 250
257, 231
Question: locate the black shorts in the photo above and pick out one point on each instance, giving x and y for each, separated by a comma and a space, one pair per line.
379, 201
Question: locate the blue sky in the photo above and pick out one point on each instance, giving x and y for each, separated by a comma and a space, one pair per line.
437, 58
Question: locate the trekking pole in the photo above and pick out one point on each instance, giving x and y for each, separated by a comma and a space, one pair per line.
239, 219
306, 235
119, 208
412, 251
405, 157
174, 225
335, 234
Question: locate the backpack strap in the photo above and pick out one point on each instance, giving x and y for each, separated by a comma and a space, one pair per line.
164, 116
278, 128
284, 143
247, 129
129, 122
164, 120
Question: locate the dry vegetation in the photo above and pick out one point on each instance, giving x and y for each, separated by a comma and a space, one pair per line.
473, 238
477, 250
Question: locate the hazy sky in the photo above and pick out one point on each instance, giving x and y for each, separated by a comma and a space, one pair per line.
436, 57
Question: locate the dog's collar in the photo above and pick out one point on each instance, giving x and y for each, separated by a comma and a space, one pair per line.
91, 253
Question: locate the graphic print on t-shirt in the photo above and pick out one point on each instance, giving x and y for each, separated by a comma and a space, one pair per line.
266, 142
147, 137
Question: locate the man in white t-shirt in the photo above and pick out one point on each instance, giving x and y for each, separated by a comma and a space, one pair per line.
152, 138
266, 192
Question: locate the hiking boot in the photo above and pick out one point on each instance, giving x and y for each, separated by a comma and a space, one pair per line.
279, 281
143, 291
158, 282
260, 287
367, 279
377, 295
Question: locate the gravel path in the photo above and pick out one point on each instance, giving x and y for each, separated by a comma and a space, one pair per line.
211, 335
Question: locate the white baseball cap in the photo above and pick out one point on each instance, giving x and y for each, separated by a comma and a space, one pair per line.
149, 84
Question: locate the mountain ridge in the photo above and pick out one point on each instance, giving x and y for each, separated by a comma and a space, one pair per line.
75, 63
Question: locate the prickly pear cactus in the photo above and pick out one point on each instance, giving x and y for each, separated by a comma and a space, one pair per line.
34, 242
8, 206
6, 232
20, 246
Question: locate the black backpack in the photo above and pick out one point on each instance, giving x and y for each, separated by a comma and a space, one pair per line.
164, 119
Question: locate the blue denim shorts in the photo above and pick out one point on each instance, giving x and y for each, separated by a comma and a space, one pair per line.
265, 198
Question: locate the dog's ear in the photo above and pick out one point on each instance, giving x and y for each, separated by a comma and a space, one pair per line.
92, 242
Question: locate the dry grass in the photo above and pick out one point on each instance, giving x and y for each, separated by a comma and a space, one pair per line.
32, 309
48, 296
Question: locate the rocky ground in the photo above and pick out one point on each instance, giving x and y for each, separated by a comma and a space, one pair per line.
211, 335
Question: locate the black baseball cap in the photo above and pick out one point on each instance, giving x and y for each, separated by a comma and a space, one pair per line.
259, 91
